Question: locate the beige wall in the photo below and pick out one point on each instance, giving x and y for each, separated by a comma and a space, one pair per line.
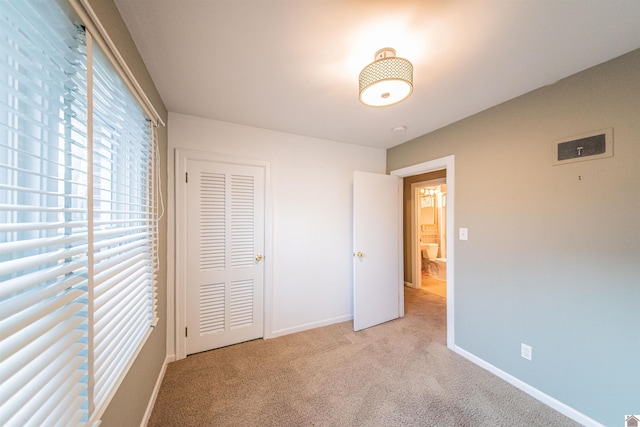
553, 251
130, 402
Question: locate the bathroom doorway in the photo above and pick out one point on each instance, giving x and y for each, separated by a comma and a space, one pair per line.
441, 168
428, 228
425, 230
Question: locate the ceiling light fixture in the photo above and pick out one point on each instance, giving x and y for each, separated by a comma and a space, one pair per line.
387, 80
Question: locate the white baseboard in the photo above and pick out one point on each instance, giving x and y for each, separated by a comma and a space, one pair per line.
531, 391
156, 389
307, 326
410, 285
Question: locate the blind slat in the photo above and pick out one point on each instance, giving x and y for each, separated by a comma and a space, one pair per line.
119, 330
114, 372
21, 283
120, 264
43, 209
109, 308
20, 264
29, 317
35, 357
122, 234
39, 226
26, 245
123, 343
107, 258
65, 411
27, 403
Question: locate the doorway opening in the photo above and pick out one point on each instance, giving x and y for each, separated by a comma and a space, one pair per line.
429, 172
429, 235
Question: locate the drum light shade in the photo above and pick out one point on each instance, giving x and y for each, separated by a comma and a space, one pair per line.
388, 80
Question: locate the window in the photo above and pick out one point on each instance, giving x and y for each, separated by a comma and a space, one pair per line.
77, 219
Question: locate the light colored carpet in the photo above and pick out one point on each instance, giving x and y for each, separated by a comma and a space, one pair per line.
396, 374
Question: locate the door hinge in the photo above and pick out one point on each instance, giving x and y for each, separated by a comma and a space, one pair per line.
186, 177
186, 332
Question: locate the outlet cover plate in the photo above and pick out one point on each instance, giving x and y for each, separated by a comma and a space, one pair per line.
526, 351
464, 233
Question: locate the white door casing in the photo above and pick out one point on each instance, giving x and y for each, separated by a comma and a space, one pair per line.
225, 240
377, 250
447, 163
199, 267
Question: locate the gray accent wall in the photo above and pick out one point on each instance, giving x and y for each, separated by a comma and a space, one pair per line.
553, 256
129, 404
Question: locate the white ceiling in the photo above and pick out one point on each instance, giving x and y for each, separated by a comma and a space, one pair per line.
293, 65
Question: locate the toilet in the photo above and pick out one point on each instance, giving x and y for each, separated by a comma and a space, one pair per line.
429, 250
437, 267
429, 253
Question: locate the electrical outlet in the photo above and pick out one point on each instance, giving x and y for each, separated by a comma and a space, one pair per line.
526, 351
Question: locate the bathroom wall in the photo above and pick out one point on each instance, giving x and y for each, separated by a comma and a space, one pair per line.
406, 222
431, 218
552, 258
442, 220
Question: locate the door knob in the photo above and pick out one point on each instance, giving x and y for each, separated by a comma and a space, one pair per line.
358, 254
259, 257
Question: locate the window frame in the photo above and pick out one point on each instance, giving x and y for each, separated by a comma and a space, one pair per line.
97, 36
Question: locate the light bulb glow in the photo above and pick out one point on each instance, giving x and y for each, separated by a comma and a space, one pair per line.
385, 92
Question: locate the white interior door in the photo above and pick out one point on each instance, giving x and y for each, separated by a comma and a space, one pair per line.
376, 215
225, 243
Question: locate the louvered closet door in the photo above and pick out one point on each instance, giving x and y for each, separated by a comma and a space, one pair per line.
225, 243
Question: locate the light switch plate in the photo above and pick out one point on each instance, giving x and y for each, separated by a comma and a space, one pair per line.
464, 234
526, 351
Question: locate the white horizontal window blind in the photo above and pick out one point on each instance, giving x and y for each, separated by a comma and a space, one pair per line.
123, 225
77, 248
43, 217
